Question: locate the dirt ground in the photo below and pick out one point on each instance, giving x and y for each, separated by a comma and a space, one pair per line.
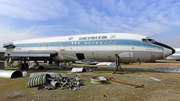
165, 90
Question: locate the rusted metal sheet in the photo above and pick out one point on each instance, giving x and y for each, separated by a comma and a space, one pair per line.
114, 80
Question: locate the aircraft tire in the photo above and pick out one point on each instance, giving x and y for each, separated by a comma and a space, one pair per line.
41, 68
21, 66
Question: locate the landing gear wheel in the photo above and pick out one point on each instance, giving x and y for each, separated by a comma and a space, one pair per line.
41, 68
21, 66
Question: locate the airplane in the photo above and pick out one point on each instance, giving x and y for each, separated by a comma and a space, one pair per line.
175, 56
109, 47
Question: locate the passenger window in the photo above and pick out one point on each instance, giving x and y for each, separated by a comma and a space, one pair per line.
89, 42
78, 43
96, 42
109, 42
100, 42
85, 43
75, 43
104, 42
113, 41
71, 43
93, 42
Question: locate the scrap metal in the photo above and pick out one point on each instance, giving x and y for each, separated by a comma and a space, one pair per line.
61, 82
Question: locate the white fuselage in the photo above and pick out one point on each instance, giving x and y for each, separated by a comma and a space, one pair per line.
96, 47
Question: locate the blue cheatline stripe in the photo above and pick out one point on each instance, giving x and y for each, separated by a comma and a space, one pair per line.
177, 52
92, 43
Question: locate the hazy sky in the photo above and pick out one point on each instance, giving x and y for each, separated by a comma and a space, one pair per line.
23, 19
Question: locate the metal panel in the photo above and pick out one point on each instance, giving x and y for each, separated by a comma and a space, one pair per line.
76, 70
26, 55
10, 73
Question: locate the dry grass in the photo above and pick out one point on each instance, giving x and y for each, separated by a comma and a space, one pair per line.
158, 91
13, 94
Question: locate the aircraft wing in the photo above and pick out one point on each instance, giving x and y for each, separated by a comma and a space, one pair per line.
30, 53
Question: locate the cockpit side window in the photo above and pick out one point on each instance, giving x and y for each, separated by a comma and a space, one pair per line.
148, 40
151, 40
145, 40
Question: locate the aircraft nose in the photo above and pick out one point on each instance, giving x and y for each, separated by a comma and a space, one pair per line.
167, 49
168, 52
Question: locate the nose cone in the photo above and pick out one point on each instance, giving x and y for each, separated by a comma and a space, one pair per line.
167, 49
168, 52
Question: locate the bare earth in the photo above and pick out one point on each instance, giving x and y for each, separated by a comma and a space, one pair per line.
167, 90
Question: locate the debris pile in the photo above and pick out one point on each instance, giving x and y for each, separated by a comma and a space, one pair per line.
53, 81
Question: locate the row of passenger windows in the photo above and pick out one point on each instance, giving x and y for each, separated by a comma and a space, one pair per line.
48, 44
41, 44
72, 43
93, 42
177, 52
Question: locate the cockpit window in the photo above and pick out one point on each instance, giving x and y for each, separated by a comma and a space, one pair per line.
148, 40
151, 40
145, 40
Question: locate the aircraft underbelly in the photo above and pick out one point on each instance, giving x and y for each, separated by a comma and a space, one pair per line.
108, 56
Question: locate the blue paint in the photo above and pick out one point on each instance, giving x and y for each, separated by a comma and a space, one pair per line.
92, 63
112, 63
177, 52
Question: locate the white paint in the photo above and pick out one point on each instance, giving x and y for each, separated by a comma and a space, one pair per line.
106, 52
77, 70
126, 54
9, 73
